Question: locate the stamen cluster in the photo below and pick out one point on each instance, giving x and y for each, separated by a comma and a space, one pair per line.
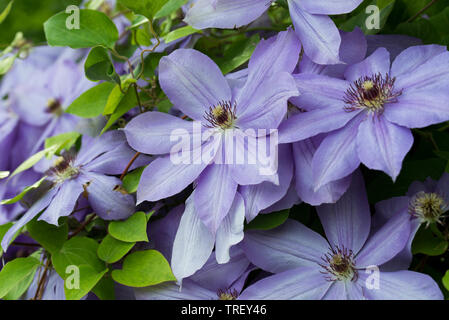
222, 115
428, 207
339, 265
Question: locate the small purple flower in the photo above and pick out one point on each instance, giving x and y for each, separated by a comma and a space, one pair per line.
319, 35
345, 266
86, 174
426, 203
368, 115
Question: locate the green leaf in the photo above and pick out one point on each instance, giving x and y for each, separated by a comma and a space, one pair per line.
446, 280
81, 253
133, 229
31, 161
143, 269
238, 53
117, 95
16, 292
4, 174
128, 102
268, 221
180, 33
112, 250
132, 179
62, 141
3, 229
23, 193
92, 102
148, 8
95, 29
89, 278
5, 9
98, 66
151, 63
170, 7
105, 288
426, 242
164, 106
15, 271
51, 237
6, 64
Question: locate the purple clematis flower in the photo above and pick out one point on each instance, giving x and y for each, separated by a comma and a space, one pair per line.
306, 266
85, 174
319, 35
426, 203
196, 86
369, 114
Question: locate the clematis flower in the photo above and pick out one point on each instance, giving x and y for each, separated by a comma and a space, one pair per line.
426, 203
319, 36
196, 86
368, 115
344, 266
85, 174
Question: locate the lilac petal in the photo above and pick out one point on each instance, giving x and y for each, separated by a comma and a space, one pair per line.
386, 242
320, 91
288, 201
267, 105
378, 62
320, 37
64, 202
30, 102
164, 178
311, 123
225, 14
387, 209
329, 7
382, 145
344, 290
192, 82
306, 283
92, 148
154, 132
162, 232
347, 222
419, 109
171, 291
403, 285
410, 59
214, 195
286, 247
261, 196
193, 243
303, 154
35, 209
432, 74
336, 157
215, 276
253, 159
275, 55
230, 232
428, 185
107, 199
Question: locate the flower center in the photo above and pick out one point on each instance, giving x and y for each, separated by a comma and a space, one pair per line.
54, 106
371, 93
221, 116
339, 265
227, 294
428, 207
63, 169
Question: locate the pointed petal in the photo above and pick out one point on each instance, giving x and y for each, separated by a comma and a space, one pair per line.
286, 247
230, 231
330, 7
107, 199
225, 14
306, 283
171, 291
193, 243
403, 285
192, 82
303, 154
214, 195
157, 132
318, 33
382, 145
411, 58
385, 243
378, 62
336, 156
